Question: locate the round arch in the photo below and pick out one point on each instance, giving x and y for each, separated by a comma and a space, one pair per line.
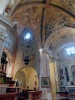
59, 39
20, 76
28, 76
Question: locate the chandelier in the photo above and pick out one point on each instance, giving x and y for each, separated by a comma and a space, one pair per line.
27, 56
27, 60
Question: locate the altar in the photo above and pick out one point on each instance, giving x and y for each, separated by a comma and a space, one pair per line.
2, 77
5, 88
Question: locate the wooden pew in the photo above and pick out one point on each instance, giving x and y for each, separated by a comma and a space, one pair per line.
8, 96
35, 95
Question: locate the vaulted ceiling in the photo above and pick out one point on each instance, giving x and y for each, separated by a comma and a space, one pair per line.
52, 22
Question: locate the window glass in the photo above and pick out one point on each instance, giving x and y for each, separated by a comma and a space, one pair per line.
70, 50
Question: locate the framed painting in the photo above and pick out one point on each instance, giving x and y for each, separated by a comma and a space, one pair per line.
45, 82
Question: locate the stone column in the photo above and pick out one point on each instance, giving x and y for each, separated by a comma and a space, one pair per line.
3, 37
45, 72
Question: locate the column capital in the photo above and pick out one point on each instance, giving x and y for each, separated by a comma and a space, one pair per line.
45, 50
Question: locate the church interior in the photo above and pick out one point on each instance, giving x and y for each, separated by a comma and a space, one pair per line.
37, 49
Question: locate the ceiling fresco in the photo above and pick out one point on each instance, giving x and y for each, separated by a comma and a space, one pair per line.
68, 5
51, 22
46, 20
29, 18
55, 19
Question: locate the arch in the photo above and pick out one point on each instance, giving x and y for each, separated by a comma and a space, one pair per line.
59, 39
28, 76
20, 76
23, 48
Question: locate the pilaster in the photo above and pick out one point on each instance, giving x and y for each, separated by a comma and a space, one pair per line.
45, 72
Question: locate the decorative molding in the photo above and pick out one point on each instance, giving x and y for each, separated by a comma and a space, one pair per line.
3, 25
3, 34
5, 21
45, 50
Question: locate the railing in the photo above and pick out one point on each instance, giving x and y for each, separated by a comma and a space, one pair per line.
65, 96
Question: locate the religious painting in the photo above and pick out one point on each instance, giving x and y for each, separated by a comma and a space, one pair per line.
45, 82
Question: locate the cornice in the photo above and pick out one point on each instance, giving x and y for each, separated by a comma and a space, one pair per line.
6, 22
4, 25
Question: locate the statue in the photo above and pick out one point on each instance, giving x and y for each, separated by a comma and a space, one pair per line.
4, 62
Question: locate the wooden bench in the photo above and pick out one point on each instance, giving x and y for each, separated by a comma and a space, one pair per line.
8, 96
35, 95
